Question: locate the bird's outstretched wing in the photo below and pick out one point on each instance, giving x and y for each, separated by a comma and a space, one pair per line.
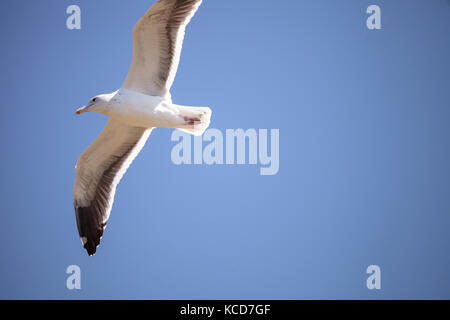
157, 41
98, 171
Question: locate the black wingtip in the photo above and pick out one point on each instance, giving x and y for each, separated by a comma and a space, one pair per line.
90, 228
91, 245
91, 250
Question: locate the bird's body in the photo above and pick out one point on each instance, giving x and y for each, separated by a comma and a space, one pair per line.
146, 111
142, 103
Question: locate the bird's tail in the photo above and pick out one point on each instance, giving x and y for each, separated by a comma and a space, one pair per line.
196, 119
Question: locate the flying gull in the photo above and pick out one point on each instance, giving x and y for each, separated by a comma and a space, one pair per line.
141, 104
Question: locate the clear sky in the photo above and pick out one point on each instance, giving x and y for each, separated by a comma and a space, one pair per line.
364, 173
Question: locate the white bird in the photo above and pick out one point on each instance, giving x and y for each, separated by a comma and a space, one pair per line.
141, 104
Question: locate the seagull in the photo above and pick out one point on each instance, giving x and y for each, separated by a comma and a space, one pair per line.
142, 103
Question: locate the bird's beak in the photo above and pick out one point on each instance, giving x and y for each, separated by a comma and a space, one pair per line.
81, 110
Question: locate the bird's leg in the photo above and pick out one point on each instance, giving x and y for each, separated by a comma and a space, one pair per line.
191, 120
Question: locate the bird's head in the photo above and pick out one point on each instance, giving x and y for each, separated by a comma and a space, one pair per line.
96, 104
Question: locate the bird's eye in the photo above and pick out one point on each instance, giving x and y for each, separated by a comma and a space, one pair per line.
93, 100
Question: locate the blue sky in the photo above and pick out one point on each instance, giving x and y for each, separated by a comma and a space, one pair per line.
364, 154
